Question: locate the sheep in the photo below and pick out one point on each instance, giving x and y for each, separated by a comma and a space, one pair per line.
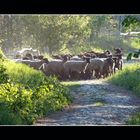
56, 56
108, 67
90, 54
29, 56
118, 63
118, 50
40, 57
17, 56
25, 58
101, 66
95, 65
76, 58
34, 64
75, 66
54, 67
35, 52
118, 53
25, 51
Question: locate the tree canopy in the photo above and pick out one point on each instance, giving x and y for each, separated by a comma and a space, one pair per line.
53, 33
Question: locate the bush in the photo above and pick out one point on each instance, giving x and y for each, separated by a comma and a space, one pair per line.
7, 117
3, 75
1, 55
18, 100
29, 104
29, 94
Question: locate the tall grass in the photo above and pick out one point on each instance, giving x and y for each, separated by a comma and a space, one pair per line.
128, 78
21, 73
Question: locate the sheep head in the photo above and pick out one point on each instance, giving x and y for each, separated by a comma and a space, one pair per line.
46, 60
87, 59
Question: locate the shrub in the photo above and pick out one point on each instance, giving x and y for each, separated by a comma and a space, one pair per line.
29, 94
7, 117
3, 75
17, 99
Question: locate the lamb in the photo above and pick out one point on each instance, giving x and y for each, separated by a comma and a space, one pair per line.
75, 66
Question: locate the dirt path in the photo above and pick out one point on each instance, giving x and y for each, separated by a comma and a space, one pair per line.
95, 103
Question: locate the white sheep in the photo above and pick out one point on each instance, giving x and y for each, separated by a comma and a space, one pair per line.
76, 58
35, 64
75, 66
101, 66
54, 67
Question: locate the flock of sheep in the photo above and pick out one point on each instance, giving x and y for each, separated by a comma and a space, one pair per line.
87, 65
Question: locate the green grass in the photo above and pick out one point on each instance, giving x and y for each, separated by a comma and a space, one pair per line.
135, 43
21, 73
71, 85
135, 120
129, 78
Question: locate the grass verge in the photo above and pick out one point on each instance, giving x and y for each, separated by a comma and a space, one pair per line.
129, 78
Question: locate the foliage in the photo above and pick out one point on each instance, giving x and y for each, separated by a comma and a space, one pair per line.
134, 120
134, 54
128, 78
18, 100
3, 75
2, 56
7, 117
131, 22
29, 94
55, 33
135, 43
21, 73
129, 56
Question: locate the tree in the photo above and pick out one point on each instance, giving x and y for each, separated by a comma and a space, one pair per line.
134, 54
131, 23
